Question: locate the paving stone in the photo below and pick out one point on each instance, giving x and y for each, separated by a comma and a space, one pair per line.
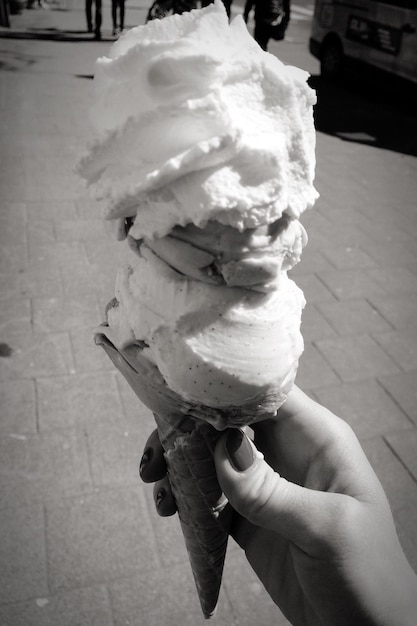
11, 177
115, 452
251, 603
30, 283
136, 413
387, 230
37, 355
405, 521
351, 284
356, 357
399, 310
164, 598
15, 317
40, 231
396, 253
399, 486
169, 540
62, 254
43, 467
401, 345
98, 537
22, 554
81, 607
353, 317
314, 325
312, 259
56, 169
345, 216
82, 280
405, 446
12, 216
348, 257
89, 357
348, 235
316, 225
403, 389
394, 279
55, 314
314, 290
87, 207
366, 407
13, 258
18, 407
69, 230
314, 371
107, 255
51, 210
84, 399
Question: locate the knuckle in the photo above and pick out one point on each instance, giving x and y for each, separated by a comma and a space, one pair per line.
257, 499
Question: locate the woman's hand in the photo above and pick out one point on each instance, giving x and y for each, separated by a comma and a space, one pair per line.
312, 518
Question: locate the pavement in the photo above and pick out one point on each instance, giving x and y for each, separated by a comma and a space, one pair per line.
81, 543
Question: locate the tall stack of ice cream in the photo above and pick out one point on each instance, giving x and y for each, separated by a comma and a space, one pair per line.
205, 159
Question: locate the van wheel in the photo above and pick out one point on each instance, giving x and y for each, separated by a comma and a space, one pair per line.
331, 60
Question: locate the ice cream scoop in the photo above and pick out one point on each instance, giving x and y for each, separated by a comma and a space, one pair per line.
254, 258
195, 123
220, 346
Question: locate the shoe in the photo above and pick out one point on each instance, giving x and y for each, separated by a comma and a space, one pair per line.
97, 35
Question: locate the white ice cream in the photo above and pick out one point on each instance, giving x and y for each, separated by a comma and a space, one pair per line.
214, 345
196, 122
205, 154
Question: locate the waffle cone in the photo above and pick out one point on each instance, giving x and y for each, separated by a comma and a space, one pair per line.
189, 444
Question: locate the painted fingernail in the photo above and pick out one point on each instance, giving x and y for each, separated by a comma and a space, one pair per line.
146, 457
239, 450
159, 497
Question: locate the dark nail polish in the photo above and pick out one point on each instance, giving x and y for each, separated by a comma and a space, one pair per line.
159, 497
146, 457
239, 450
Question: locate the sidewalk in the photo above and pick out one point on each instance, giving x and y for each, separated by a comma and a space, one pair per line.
80, 542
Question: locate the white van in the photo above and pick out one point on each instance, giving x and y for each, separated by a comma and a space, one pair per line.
365, 32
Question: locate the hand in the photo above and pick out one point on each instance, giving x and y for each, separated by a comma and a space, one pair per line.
319, 534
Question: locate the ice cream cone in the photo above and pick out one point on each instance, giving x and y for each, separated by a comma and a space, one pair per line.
205, 323
204, 513
188, 442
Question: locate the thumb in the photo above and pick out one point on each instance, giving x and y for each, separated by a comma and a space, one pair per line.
268, 500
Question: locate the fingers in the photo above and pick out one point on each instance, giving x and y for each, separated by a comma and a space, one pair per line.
152, 464
266, 499
163, 498
153, 469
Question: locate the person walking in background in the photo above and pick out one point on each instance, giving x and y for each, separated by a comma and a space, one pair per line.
271, 19
97, 17
163, 8
118, 6
227, 5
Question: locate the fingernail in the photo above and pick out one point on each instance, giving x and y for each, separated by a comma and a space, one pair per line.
160, 495
239, 450
146, 457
